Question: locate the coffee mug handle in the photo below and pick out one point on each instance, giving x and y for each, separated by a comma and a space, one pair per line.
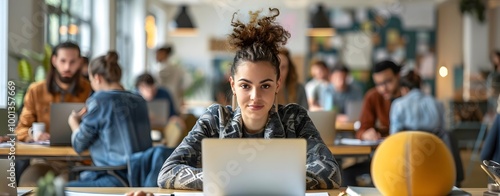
30, 132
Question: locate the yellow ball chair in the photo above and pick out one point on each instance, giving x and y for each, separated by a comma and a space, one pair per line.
413, 163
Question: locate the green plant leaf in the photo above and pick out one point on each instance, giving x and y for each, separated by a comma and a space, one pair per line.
38, 57
25, 70
47, 56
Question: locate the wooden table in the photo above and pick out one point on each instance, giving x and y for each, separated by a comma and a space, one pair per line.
66, 152
344, 126
42, 151
331, 192
347, 150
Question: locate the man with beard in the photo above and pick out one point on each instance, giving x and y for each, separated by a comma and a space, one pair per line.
63, 84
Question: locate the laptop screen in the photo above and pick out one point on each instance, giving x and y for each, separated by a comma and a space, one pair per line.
254, 166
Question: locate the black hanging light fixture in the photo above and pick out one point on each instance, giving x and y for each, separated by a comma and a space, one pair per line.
320, 24
184, 26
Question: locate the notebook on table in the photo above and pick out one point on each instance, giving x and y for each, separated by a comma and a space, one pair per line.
8, 185
372, 191
60, 132
254, 166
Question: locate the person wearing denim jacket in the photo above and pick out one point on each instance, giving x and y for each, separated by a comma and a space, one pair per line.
114, 125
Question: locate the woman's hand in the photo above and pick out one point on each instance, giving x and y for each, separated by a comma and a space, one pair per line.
75, 118
139, 193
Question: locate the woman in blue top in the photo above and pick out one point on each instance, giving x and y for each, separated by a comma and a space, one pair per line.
113, 125
255, 83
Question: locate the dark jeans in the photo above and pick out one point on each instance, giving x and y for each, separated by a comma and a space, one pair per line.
360, 171
98, 179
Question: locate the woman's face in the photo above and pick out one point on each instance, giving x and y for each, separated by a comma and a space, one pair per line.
255, 85
283, 67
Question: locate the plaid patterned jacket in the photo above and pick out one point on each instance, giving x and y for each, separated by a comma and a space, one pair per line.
182, 170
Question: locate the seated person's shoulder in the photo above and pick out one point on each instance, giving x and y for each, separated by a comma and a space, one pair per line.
163, 93
216, 108
372, 93
38, 86
291, 108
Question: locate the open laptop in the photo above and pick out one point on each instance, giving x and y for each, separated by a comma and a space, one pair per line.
324, 121
254, 166
8, 185
60, 132
353, 110
158, 113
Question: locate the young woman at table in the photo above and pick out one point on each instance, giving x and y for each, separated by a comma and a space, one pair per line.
255, 83
113, 125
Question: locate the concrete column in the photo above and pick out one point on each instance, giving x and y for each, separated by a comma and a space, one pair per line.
476, 52
104, 27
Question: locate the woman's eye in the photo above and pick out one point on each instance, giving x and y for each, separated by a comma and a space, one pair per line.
244, 86
266, 86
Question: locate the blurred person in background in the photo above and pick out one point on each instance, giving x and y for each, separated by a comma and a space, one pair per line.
339, 92
319, 72
291, 90
171, 76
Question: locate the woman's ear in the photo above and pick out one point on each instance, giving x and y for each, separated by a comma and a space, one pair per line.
278, 85
98, 78
231, 82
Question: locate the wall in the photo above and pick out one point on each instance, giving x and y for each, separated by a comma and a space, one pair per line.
4, 23
449, 46
497, 28
104, 28
26, 29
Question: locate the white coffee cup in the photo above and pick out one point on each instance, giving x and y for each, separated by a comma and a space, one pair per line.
36, 129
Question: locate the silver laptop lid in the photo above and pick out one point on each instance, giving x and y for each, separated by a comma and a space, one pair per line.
158, 112
353, 110
324, 121
60, 132
254, 166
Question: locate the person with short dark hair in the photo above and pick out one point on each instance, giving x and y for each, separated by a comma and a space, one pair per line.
339, 92
319, 72
374, 117
113, 125
147, 87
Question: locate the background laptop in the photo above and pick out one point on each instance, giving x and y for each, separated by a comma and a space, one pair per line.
254, 166
60, 132
158, 113
324, 121
353, 110
5, 189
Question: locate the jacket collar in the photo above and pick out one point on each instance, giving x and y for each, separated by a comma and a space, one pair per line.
273, 129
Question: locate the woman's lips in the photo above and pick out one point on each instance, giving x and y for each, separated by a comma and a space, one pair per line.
255, 107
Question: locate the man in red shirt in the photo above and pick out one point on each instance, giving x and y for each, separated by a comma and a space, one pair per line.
377, 102
374, 118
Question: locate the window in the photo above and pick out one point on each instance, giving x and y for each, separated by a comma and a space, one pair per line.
69, 20
3, 52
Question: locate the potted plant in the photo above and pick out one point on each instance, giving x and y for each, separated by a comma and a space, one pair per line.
476, 8
25, 70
